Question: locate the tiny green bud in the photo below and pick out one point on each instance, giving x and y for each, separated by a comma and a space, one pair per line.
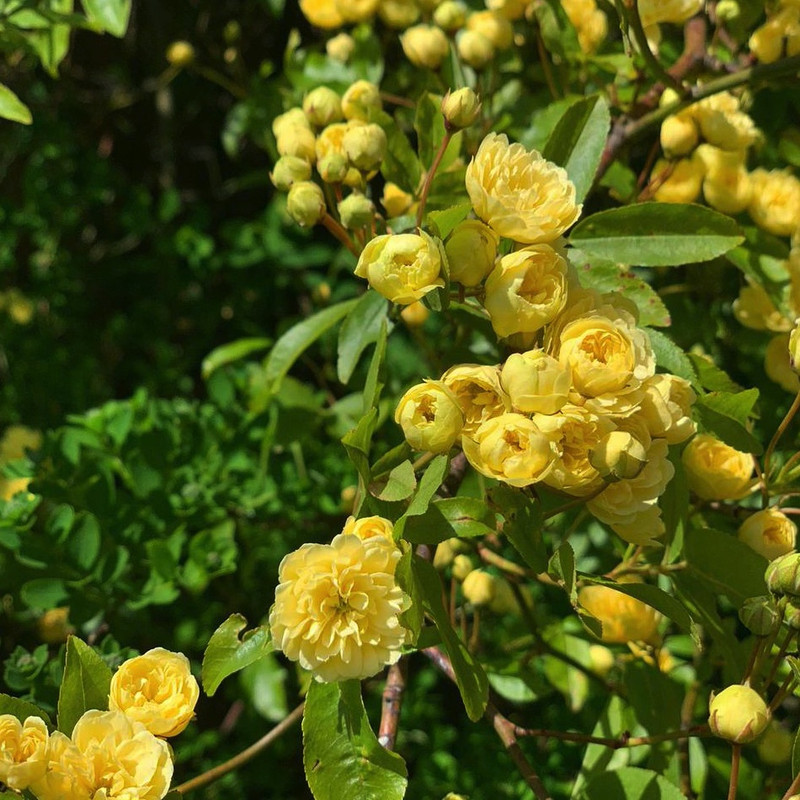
738, 714
461, 108
355, 211
728, 10
760, 615
783, 575
305, 203
365, 146
322, 106
289, 170
791, 616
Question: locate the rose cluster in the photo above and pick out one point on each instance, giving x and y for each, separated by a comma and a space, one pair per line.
338, 606
116, 753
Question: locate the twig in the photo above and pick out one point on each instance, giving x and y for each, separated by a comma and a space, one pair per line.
392, 702
426, 187
793, 789
231, 764
340, 233
615, 743
785, 422
656, 67
736, 752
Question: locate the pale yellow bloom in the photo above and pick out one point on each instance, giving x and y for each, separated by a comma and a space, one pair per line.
360, 99
755, 309
728, 190
512, 449
769, 532
778, 364
723, 123
630, 507
677, 181
403, 267
494, 26
775, 203
666, 407
575, 431
474, 49
395, 200
337, 607
679, 134
298, 141
479, 587
355, 11
619, 456
156, 689
738, 714
526, 289
322, 13
624, 618
68, 774
520, 194
479, 393
367, 527
536, 382
715, 470
430, 416
655, 11
293, 118
23, 751
340, 47
425, 46
322, 106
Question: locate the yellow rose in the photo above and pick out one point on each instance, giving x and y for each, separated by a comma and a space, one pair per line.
471, 251
667, 407
679, 134
495, 27
23, 751
354, 11
715, 470
535, 382
512, 449
124, 759
624, 618
677, 181
769, 532
367, 527
526, 289
780, 31
68, 774
474, 49
430, 416
16, 440
754, 309
652, 12
589, 22
365, 146
399, 14
723, 124
520, 194
156, 689
510, 9
775, 202
778, 364
361, 98
738, 714
728, 190
479, 587
575, 431
630, 507
606, 352
479, 393
337, 607
395, 200
12, 486
322, 13
402, 267
425, 46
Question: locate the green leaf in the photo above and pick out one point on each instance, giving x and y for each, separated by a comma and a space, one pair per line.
231, 352
85, 685
292, 344
607, 276
361, 328
710, 376
373, 385
657, 234
413, 617
21, 709
465, 517
725, 415
444, 221
109, 15
727, 565
654, 597
631, 783
44, 593
670, 357
342, 757
470, 677
228, 652
429, 484
399, 484
578, 141
11, 107
357, 443
557, 31
523, 525
561, 568
83, 545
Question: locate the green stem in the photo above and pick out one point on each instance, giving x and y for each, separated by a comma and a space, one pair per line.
426, 187
736, 753
656, 67
785, 422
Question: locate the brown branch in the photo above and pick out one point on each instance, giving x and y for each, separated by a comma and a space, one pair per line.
503, 727
391, 703
736, 752
615, 743
231, 764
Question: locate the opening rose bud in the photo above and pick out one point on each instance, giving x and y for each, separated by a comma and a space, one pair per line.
430, 417
619, 456
738, 714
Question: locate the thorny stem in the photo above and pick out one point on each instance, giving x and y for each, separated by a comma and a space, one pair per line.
504, 728
426, 187
231, 764
340, 233
736, 752
656, 67
392, 702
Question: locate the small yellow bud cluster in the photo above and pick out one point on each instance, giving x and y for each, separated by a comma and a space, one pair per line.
120, 752
590, 23
337, 606
655, 12
779, 35
334, 135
